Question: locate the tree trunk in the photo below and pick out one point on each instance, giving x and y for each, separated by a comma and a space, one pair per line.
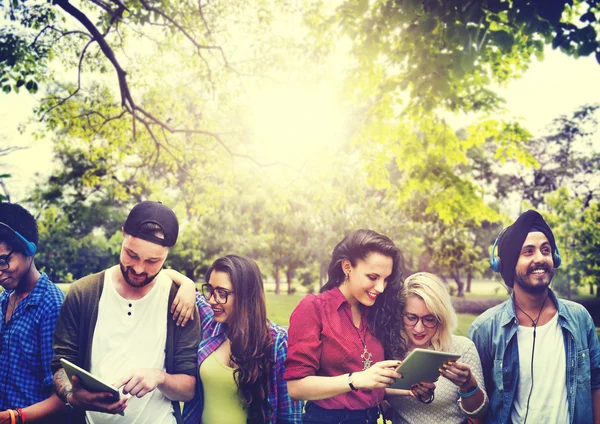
598, 290
591, 289
460, 284
277, 289
288, 275
469, 279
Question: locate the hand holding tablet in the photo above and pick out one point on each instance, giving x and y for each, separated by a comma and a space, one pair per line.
91, 393
89, 381
421, 365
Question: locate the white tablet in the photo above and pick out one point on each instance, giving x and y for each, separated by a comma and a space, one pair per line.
89, 381
421, 365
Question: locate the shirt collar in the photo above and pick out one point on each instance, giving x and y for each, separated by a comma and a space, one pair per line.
36, 295
509, 309
38, 291
337, 298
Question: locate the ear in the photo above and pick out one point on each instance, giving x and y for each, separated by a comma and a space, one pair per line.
346, 266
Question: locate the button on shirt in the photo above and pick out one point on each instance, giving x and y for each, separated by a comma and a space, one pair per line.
323, 341
26, 345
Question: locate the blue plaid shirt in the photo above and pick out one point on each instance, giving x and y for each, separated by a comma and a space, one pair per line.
285, 410
26, 345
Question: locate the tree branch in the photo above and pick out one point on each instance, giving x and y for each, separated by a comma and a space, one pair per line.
78, 82
196, 44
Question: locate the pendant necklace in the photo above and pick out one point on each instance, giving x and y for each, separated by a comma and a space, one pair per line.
366, 355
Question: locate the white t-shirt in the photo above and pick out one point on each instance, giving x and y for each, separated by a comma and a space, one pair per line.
132, 334
548, 403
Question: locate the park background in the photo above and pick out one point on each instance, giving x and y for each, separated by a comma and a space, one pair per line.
273, 128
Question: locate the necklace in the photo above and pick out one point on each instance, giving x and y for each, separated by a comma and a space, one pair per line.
533, 321
366, 355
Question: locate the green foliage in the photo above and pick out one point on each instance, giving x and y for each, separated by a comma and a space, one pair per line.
575, 225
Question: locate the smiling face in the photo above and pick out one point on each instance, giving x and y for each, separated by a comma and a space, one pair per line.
18, 266
220, 282
535, 266
419, 335
366, 280
141, 260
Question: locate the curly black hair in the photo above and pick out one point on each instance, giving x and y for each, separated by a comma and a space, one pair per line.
18, 219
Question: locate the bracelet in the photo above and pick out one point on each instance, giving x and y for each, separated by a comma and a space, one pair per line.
426, 401
21, 415
468, 394
11, 414
350, 381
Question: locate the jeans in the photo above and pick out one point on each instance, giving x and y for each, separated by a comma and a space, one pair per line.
316, 415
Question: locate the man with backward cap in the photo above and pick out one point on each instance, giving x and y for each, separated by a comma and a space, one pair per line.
540, 354
116, 324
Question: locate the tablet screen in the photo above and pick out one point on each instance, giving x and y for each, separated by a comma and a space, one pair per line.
421, 365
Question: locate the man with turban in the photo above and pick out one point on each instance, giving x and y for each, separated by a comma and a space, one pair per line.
540, 354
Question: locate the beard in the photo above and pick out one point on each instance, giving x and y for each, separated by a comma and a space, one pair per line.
126, 270
524, 281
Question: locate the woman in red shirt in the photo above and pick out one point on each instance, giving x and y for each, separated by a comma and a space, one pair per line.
338, 340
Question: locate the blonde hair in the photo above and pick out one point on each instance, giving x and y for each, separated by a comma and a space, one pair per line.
435, 295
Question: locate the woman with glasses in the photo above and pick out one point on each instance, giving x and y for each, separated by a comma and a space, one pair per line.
429, 320
241, 355
340, 338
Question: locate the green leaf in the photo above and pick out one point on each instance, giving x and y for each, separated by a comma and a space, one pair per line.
504, 40
7, 88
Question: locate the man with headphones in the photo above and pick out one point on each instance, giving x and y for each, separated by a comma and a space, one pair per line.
29, 307
540, 354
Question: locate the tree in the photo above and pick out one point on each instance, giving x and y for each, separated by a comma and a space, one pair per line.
122, 39
574, 221
416, 60
566, 157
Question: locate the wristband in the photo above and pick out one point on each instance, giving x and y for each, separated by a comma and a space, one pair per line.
11, 414
468, 394
21, 415
350, 381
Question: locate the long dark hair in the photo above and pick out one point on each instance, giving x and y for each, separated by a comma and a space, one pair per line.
385, 316
248, 331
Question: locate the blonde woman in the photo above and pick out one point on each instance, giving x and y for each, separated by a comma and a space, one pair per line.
429, 320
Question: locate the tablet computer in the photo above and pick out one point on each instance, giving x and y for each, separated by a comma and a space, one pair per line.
421, 365
89, 381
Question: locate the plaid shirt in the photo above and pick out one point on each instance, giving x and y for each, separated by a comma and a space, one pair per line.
285, 410
26, 345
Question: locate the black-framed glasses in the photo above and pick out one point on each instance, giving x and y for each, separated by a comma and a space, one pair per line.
429, 321
4, 261
220, 295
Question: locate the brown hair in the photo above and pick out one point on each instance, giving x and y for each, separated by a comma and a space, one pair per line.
385, 316
248, 331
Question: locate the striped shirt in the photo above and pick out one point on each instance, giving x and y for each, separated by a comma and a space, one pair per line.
285, 410
26, 345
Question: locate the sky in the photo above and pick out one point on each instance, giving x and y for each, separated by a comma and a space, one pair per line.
555, 86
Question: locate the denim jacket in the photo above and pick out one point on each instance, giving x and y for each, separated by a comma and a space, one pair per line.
494, 334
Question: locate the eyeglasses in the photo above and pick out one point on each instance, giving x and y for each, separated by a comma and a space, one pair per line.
4, 261
220, 295
429, 321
